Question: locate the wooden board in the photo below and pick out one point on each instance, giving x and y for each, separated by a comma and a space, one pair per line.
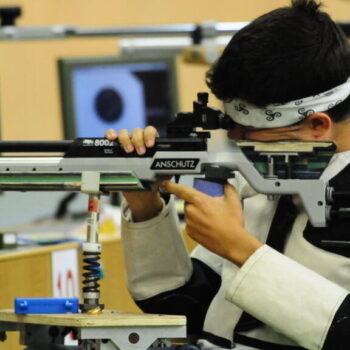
108, 318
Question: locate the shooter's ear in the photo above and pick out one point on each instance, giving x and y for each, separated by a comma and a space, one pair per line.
318, 125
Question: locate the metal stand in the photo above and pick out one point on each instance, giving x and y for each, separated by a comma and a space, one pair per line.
92, 251
110, 330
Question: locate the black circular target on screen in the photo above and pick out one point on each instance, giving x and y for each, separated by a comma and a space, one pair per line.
109, 104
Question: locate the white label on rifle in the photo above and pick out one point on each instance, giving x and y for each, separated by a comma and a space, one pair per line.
177, 164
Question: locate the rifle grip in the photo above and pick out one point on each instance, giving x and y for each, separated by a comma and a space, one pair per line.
211, 188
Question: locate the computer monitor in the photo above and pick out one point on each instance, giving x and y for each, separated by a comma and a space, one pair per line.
99, 93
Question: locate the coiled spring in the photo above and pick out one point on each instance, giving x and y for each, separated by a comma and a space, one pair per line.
92, 274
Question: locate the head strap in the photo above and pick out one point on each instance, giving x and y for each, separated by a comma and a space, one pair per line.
284, 114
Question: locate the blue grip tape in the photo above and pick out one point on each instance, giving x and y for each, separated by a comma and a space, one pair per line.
46, 305
210, 188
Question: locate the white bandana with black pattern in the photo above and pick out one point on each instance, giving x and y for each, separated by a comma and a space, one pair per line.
285, 114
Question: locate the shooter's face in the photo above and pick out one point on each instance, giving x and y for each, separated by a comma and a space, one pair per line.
295, 132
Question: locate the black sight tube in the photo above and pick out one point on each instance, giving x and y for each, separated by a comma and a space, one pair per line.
35, 146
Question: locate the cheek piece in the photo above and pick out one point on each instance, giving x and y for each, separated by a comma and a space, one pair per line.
284, 114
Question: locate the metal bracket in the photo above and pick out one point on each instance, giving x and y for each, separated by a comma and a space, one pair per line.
130, 338
40, 336
9, 326
90, 182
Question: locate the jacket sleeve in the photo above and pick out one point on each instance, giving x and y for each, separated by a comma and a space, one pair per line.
315, 310
155, 254
161, 276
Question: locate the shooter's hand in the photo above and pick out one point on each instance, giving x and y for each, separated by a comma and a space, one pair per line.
143, 205
216, 222
138, 140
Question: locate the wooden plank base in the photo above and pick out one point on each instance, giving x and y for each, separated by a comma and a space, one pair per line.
108, 318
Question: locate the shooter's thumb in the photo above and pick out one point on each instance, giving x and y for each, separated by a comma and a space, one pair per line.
231, 194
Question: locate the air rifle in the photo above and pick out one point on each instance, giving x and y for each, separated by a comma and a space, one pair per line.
97, 165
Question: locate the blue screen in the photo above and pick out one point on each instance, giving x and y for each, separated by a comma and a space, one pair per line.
120, 96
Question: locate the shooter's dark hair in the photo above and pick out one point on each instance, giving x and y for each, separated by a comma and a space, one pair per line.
286, 54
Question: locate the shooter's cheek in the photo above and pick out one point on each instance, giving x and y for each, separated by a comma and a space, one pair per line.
236, 133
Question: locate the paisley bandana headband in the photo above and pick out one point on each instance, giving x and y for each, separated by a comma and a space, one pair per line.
284, 114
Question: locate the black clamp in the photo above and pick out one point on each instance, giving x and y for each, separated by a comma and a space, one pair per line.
207, 118
2, 336
8, 15
205, 30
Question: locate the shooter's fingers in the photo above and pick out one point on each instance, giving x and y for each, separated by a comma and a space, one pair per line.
149, 135
125, 140
188, 194
111, 134
233, 199
138, 141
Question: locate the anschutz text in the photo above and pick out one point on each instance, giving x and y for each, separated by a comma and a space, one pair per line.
183, 164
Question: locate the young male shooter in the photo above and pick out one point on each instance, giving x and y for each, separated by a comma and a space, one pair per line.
285, 76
